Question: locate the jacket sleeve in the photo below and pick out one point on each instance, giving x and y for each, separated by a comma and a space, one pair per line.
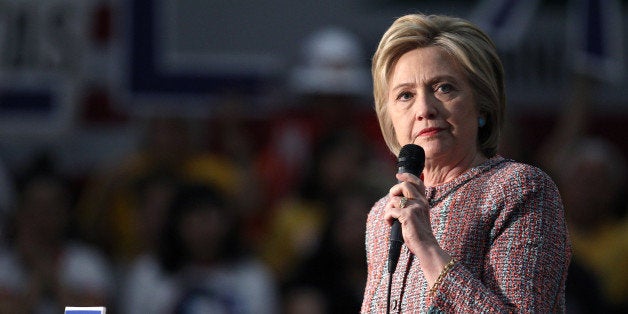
526, 266
376, 243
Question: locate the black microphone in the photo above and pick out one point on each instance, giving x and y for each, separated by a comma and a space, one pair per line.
411, 160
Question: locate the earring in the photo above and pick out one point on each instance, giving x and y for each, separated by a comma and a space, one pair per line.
481, 122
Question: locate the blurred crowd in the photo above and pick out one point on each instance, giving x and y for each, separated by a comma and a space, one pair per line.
267, 215
225, 213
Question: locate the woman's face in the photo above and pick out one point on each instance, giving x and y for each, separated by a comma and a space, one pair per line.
431, 104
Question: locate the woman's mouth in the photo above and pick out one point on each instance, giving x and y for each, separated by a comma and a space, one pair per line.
429, 132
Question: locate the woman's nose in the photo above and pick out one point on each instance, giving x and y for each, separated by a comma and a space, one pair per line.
425, 106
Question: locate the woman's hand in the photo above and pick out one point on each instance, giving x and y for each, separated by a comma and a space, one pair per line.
415, 224
415, 216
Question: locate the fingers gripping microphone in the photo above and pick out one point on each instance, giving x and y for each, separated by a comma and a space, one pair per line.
411, 160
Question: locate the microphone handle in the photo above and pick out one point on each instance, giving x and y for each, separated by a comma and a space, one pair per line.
394, 250
396, 237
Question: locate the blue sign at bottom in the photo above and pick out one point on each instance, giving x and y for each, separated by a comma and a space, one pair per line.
85, 310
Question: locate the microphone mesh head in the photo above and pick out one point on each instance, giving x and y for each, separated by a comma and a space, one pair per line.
410, 150
411, 159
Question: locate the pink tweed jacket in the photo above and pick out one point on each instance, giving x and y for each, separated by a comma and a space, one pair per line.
504, 223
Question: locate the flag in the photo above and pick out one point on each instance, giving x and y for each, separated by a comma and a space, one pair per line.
505, 21
595, 39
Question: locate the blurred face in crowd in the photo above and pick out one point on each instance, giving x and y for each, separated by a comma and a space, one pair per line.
153, 210
43, 213
203, 231
590, 186
431, 104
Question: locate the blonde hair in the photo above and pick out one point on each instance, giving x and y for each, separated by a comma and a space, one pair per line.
472, 49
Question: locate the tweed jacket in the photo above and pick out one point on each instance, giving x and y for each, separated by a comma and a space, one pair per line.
504, 223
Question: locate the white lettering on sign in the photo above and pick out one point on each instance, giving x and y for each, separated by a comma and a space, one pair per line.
43, 35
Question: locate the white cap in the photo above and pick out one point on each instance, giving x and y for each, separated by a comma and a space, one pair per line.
333, 64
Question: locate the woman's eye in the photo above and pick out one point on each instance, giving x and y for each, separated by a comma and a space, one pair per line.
445, 88
405, 96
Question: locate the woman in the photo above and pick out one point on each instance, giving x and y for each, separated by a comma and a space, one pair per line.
481, 233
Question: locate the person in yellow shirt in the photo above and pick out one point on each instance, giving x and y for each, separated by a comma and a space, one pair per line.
592, 180
107, 207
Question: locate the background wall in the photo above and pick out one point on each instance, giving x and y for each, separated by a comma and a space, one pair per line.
68, 64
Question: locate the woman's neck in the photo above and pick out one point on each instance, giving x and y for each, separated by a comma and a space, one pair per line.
437, 171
